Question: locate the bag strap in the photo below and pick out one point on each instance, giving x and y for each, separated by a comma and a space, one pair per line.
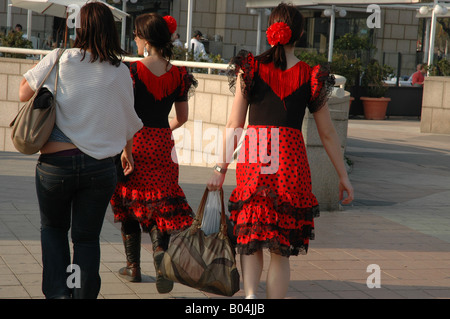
60, 52
56, 78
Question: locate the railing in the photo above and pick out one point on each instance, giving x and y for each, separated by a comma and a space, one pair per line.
338, 91
190, 64
40, 53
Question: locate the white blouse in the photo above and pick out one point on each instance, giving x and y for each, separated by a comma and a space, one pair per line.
96, 101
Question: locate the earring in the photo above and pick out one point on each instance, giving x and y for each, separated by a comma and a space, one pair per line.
145, 52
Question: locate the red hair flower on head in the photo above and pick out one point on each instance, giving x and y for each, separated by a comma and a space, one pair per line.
279, 33
171, 23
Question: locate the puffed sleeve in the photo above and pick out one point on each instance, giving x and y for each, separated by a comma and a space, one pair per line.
244, 64
188, 85
321, 87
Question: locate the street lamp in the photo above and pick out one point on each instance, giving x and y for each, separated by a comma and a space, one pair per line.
332, 14
259, 12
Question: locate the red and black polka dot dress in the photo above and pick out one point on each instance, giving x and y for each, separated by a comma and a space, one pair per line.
273, 205
152, 194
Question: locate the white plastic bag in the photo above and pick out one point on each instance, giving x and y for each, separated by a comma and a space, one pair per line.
212, 213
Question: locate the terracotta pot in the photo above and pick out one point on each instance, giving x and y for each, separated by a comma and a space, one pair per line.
375, 108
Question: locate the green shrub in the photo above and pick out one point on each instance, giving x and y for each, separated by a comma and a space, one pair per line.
373, 78
15, 40
440, 68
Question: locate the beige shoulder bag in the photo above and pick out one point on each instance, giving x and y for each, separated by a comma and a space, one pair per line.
32, 127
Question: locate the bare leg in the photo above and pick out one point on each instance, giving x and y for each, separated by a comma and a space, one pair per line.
278, 277
252, 266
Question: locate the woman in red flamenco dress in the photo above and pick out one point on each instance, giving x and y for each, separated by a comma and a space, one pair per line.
273, 205
150, 196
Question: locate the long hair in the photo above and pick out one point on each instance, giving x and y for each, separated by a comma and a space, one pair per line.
288, 14
98, 34
153, 28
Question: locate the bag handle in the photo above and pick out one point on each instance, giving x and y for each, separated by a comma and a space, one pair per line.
197, 224
60, 53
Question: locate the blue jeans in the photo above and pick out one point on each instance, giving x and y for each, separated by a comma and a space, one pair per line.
73, 192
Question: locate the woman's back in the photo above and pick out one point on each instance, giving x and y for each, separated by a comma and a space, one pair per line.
95, 102
156, 89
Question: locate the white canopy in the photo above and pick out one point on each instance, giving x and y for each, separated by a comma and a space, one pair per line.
274, 3
58, 8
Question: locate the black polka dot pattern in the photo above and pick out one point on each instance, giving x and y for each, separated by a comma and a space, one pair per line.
152, 194
273, 205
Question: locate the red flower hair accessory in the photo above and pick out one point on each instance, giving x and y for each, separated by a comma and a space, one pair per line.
279, 33
171, 23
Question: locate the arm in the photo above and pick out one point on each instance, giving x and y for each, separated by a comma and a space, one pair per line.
332, 145
127, 158
235, 121
181, 115
35, 75
25, 91
415, 79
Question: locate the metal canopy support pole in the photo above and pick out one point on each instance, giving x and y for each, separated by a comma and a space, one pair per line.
426, 41
124, 25
29, 24
432, 34
331, 39
8, 16
189, 23
258, 35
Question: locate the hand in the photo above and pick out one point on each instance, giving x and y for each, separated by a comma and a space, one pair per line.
127, 163
345, 185
215, 182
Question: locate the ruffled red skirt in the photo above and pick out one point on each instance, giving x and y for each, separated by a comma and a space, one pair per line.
273, 205
152, 194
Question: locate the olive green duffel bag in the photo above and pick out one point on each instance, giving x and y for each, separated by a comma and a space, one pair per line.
206, 263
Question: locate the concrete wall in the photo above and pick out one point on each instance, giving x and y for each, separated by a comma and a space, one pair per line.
198, 141
398, 33
11, 71
436, 105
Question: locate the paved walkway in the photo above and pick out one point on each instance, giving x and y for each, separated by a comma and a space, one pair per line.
400, 221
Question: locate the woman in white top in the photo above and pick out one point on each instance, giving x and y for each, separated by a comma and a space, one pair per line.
75, 174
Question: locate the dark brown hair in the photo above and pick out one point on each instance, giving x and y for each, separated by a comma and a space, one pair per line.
290, 15
98, 34
153, 28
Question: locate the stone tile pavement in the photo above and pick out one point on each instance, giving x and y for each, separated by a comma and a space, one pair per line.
399, 221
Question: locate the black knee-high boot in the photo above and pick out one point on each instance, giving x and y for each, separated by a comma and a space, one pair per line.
132, 243
159, 243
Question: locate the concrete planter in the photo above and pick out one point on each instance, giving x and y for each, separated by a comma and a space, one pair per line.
325, 181
436, 105
375, 108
